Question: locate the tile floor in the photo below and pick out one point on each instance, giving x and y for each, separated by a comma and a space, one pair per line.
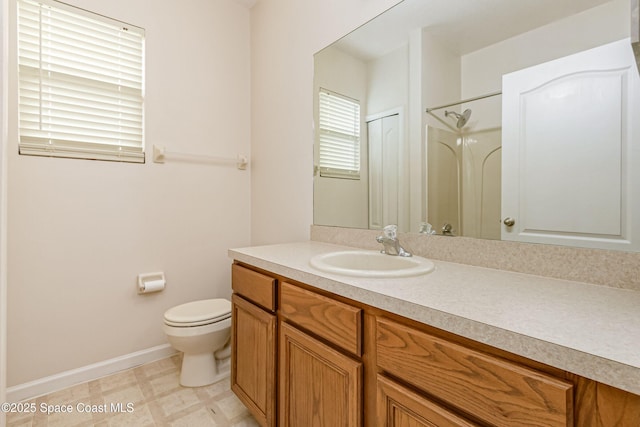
153, 395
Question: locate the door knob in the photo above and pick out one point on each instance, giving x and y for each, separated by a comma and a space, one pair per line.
509, 222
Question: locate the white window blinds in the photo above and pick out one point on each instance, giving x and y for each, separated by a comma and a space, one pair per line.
80, 84
339, 136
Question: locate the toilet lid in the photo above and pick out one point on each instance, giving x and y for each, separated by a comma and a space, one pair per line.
198, 312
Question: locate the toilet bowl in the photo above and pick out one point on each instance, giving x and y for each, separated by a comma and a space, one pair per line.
201, 331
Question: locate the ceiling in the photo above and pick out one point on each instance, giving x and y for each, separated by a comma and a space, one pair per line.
462, 25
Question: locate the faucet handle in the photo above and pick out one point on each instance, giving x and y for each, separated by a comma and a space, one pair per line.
426, 228
390, 231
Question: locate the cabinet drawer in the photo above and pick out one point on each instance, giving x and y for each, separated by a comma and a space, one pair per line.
332, 320
254, 286
494, 390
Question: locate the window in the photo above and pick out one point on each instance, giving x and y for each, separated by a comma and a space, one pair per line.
80, 84
339, 136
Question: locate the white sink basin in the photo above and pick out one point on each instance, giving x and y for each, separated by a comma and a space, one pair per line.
371, 264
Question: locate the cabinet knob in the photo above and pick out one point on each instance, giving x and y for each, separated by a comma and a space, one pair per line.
509, 222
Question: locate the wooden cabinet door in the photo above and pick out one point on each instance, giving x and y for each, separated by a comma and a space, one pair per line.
398, 406
319, 386
253, 359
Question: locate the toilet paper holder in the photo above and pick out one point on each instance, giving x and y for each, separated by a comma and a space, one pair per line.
151, 282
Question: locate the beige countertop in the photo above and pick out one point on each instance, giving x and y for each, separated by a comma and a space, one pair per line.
590, 330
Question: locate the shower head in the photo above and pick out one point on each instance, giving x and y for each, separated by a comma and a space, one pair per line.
462, 118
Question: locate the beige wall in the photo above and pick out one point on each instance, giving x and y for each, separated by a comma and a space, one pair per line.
284, 36
80, 231
3, 211
388, 82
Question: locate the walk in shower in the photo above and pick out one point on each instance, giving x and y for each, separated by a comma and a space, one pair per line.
464, 167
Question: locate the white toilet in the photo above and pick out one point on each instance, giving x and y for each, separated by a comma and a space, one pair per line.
201, 330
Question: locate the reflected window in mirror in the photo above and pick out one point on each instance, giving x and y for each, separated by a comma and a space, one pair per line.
339, 135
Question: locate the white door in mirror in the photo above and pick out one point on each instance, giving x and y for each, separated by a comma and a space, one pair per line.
570, 132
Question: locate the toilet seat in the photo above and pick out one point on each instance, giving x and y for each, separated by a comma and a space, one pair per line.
198, 313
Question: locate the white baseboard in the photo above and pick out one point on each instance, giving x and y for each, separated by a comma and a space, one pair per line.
91, 372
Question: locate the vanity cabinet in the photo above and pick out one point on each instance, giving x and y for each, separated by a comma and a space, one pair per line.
338, 362
321, 376
253, 343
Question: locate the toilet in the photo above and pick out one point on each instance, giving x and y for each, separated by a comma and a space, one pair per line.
201, 330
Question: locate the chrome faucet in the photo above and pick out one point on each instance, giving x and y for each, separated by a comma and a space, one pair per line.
389, 240
447, 229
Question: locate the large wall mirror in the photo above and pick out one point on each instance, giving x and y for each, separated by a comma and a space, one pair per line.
500, 119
